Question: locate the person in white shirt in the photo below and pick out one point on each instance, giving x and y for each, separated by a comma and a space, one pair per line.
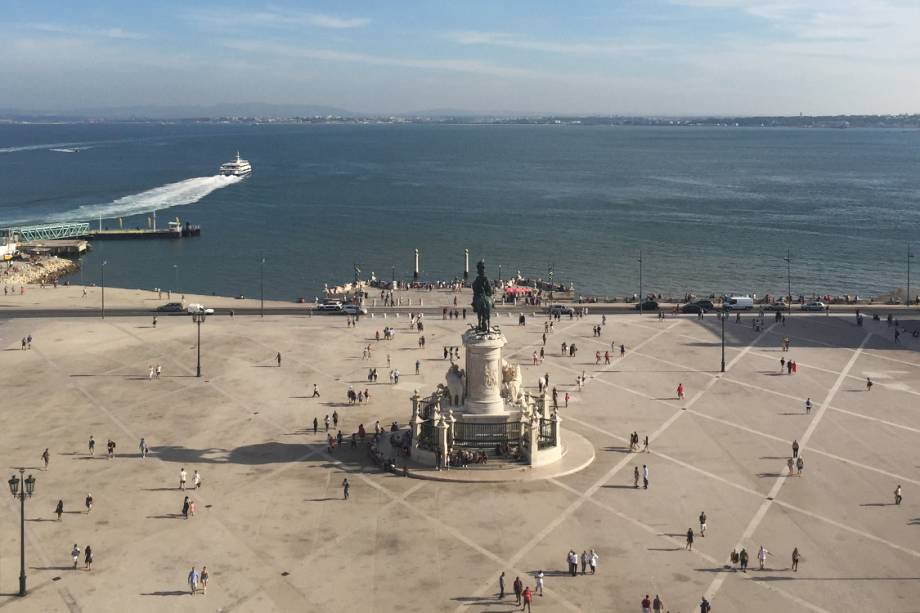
196, 479
645, 476
592, 560
762, 556
182, 477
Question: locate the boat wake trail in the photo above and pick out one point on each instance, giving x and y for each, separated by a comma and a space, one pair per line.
51, 146
181, 193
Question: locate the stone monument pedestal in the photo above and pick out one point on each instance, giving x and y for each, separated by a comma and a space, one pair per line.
484, 372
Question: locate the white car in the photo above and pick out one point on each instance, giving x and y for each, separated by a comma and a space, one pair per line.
332, 305
814, 306
354, 309
197, 309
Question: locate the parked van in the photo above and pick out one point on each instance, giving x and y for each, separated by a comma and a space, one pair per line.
739, 303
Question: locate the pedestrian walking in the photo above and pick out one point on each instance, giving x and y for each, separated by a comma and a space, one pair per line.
345, 487
636, 477
644, 477
159, 371
705, 607
703, 524
75, 554
92, 445
182, 478
592, 560
539, 577
622, 350
501, 586
418, 365
315, 425
572, 559
88, 558
88, 502
185, 507
680, 391
527, 597
897, 494
518, 587
795, 448
657, 604
790, 464
645, 445
689, 546
315, 392
799, 466
29, 341
808, 405
204, 579
46, 457
868, 384
326, 422
584, 562
193, 581
196, 480
142, 446
782, 364
335, 419
795, 559
59, 509
646, 604
743, 559
762, 556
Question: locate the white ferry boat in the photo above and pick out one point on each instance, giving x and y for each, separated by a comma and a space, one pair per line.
236, 168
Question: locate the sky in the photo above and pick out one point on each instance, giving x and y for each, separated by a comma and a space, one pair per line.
740, 57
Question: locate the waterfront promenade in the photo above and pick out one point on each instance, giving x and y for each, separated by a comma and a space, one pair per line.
275, 534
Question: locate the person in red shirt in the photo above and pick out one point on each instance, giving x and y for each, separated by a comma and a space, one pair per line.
528, 597
646, 605
680, 391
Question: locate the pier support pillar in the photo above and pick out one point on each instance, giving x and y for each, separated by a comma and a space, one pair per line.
415, 274
466, 264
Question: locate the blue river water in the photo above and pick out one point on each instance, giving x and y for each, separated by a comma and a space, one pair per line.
711, 209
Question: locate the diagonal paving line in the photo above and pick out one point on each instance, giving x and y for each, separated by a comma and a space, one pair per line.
812, 449
400, 500
753, 492
580, 501
780, 481
695, 552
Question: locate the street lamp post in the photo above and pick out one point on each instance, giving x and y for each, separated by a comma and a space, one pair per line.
102, 274
641, 300
176, 269
262, 287
28, 487
910, 256
788, 260
723, 315
198, 318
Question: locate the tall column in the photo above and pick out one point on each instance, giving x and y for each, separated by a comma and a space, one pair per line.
442, 441
466, 264
415, 274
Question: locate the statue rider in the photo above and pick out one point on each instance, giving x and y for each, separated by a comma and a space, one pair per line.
482, 297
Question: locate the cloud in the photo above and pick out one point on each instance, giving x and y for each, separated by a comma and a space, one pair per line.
514, 41
454, 65
117, 33
276, 18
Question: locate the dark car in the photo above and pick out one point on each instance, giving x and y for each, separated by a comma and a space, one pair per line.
561, 309
692, 307
171, 307
707, 305
648, 305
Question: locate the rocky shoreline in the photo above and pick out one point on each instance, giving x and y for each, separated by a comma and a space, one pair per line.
41, 270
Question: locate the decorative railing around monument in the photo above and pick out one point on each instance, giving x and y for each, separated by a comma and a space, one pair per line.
484, 435
547, 435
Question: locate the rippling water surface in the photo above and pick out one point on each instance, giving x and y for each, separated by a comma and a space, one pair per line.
711, 209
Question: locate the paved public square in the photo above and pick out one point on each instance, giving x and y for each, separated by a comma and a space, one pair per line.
276, 535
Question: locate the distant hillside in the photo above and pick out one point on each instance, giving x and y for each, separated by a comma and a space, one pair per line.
245, 109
